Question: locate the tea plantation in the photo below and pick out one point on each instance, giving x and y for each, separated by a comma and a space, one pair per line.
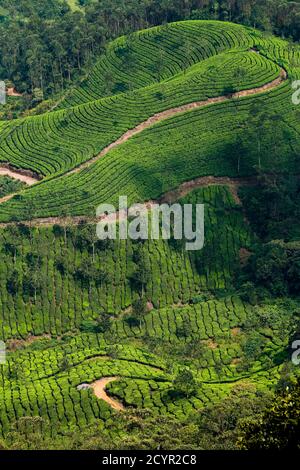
200, 60
177, 330
194, 322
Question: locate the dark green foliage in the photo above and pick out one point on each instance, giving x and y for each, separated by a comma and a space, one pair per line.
13, 283
279, 426
273, 207
104, 322
68, 40
253, 346
184, 383
192, 357
8, 185
139, 308
273, 266
141, 274
89, 326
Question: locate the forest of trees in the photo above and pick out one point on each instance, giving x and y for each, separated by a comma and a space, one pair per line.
44, 45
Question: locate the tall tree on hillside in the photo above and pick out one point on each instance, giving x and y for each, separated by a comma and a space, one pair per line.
139, 309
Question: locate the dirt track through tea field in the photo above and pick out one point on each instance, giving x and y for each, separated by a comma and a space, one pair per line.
99, 389
156, 118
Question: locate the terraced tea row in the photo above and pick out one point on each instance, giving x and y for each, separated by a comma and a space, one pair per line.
43, 380
55, 397
57, 300
157, 54
56, 142
161, 157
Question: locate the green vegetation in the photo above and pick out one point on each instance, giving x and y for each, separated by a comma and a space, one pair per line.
70, 287
62, 40
58, 141
8, 186
197, 342
278, 427
272, 207
75, 4
162, 53
40, 381
197, 334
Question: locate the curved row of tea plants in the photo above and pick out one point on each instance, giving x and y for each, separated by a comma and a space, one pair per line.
205, 141
58, 141
61, 301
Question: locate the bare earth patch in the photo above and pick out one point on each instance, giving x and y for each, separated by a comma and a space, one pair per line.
169, 197
235, 361
211, 344
12, 92
235, 331
244, 255
15, 344
25, 176
150, 306
99, 389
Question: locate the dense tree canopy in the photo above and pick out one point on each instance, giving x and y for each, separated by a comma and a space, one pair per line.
44, 45
278, 428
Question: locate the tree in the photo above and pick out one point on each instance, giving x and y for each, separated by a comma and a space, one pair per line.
61, 265
184, 329
219, 424
253, 346
142, 274
104, 323
248, 293
30, 214
279, 426
11, 249
237, 152
158, 64
32, 283
89, 233
293, 273
34, 260
64, 364
267, 267
139, 309
87, 273
229, 91
66, 222
14, 234
184, 383
288, 376
13, 283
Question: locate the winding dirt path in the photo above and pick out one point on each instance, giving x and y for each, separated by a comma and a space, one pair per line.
20, 175
12, 92
188, 186
168, 197
99, 389
25, 176
158, 117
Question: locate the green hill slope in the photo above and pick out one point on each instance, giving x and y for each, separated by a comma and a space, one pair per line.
68, 301
59, 141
